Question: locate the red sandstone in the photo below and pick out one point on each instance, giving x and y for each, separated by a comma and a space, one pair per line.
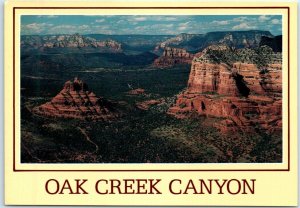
173, 56
241, 94
145, 105
76, 101
138, 91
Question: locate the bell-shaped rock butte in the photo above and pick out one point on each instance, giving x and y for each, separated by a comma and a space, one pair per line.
76, 101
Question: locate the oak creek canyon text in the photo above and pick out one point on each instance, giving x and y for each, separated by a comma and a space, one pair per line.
151, 186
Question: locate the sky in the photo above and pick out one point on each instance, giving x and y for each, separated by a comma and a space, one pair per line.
147, 24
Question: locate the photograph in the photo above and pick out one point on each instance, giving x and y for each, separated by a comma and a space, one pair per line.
151, 88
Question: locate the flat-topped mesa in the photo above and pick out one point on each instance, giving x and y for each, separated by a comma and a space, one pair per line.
173, 56
245, 96
176, 52
76, 101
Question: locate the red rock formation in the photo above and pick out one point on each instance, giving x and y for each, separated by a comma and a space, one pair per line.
244, 96
211, 78
76, 101
145, 105
261, 83
109, 44
173, 56
138, 91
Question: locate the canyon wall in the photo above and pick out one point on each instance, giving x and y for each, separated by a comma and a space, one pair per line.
241, 95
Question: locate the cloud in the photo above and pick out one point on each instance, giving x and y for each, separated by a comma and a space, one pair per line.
182, 28
169, 25
121, 22
154, 29
146, 24
185, 26
59, 27
239, 19
159, 27
276, 21
223, 22
164, 18
72, 29
62, 29
243, 26
52, 16
101, 26
263, 18
153, 18
170, 19
47, 16
185, 23
83, 27
35, 28
100, 20
134, 23
139, 19
141, 29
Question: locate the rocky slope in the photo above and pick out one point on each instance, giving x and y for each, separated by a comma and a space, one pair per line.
76, 101
68, 41
197, 42
174, 41
173, 56
133, 42
244, 96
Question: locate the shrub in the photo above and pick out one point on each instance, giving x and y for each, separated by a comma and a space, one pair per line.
261, 56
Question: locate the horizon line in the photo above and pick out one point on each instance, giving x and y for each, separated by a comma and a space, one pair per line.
151, 34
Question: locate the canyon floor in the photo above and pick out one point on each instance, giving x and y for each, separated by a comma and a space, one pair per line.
141, 134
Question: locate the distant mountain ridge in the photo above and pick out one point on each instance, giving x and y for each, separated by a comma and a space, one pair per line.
99, 50
142, 43
133, 42
197, 42
68, 41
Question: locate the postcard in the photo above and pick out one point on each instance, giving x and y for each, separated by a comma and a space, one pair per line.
151, 104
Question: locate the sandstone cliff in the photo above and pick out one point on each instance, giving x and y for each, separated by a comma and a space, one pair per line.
246, 97
173, 56
76, 101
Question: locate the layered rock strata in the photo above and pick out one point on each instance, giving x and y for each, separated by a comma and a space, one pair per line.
76, 101
246, 97
173, 56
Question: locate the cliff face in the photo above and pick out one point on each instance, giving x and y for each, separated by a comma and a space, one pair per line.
246, 97
173, 56
76, 101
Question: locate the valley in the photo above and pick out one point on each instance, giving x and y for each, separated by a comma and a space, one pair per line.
176, 99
